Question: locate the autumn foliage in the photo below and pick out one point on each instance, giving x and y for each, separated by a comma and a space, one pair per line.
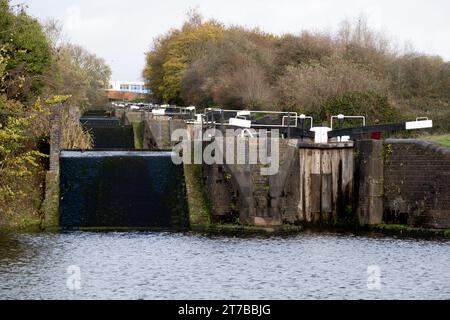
208, 64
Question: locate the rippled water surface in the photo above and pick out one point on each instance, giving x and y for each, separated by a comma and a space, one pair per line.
184, 266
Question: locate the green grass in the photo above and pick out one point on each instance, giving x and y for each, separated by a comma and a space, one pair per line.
443, 140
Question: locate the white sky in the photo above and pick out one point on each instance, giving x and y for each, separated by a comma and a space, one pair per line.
122, 31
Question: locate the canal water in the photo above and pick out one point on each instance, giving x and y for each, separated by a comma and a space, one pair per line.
164, 265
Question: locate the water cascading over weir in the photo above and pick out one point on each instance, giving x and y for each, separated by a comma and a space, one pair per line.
116, 186
325, 176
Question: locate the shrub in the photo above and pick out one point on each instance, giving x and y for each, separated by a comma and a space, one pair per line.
375, 107
232, 72
307, 88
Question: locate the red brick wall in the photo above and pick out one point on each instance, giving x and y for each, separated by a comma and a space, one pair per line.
124, 96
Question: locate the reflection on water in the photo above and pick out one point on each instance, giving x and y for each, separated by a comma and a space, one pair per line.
184, 266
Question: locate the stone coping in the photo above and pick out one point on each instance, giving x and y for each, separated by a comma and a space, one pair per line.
432, 146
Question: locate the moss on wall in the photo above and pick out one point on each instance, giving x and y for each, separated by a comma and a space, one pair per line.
138, 130
50, 206
199, 207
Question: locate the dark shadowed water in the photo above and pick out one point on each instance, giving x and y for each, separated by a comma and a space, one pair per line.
185, 266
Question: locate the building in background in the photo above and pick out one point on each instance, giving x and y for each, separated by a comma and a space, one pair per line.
128, 91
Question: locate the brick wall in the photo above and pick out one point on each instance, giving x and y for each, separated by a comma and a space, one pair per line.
417, 184
50, 206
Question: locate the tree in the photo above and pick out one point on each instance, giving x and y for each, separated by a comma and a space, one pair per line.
304, 49
23, 39
252, 87
232, 72
19, 157
75, 71
416, 75
360, 44
207, 64
34, 72
173, 53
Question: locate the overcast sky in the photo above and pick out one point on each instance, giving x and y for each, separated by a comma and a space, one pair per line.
121, 31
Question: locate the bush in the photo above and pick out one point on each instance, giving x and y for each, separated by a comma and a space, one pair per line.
375, 107
207, 64
293, 50
307, 88
420, 76
73, 136
232, 73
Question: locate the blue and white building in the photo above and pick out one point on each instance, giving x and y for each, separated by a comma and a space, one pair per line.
129, 86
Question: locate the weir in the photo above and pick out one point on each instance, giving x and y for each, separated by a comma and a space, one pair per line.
330, 176
121, 189
109, 133
114, 186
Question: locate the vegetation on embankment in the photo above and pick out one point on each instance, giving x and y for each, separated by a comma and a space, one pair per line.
443, 140
73, 136
356, 71
37, 72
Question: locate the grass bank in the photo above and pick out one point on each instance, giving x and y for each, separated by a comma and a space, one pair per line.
443, 140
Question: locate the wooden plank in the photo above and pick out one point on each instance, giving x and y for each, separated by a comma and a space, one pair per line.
335, 161
301, 200
316, 158
326, 186
316, 170
326, 201
307, 185
347, 173
326, 161
315, 195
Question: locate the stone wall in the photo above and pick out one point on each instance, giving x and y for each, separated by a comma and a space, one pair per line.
417, 184
55, 137
223, 196
369, 181
314, 185
134, 116
50, 205
158, 131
